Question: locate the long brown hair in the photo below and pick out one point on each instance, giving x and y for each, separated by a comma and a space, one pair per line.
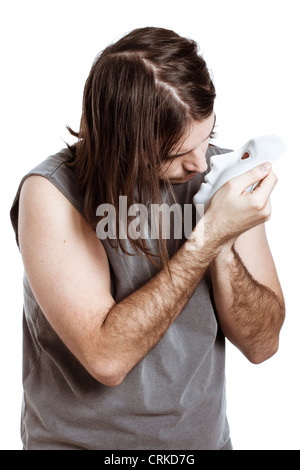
142, 93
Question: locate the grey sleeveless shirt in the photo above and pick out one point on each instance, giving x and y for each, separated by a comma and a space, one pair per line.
172, 399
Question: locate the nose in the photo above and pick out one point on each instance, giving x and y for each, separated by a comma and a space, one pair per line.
196, 161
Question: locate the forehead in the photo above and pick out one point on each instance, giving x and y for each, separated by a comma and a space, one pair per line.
197, 133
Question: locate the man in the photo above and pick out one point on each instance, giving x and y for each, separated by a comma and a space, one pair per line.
124, 336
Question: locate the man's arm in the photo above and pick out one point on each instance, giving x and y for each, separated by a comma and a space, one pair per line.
68, 271
248, 295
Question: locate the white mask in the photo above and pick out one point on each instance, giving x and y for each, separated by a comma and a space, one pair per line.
229, 165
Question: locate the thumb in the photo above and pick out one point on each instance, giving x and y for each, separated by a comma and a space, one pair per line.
253, 176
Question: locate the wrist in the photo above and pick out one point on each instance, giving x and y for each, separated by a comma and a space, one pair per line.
205, 234
226, 254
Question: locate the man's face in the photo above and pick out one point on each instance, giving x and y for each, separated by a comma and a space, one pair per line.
188, 158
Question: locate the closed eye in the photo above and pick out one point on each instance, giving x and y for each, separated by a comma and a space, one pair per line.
213, 135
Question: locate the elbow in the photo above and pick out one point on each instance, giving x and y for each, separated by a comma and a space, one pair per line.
267, 349
259, 358
109, 374
110, 380
259, 355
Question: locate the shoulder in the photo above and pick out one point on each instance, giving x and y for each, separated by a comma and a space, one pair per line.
48, 181
44, 211
51, 228
39, 192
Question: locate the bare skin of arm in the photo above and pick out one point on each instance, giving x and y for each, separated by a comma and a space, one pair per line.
247, 292
68, 271
250, 305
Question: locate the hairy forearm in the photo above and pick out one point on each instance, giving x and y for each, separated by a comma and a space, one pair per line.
250, 314
135, 325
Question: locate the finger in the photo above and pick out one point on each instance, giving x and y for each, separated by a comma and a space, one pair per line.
266, 186
252, 176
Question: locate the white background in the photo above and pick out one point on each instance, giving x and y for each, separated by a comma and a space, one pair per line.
252, 48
